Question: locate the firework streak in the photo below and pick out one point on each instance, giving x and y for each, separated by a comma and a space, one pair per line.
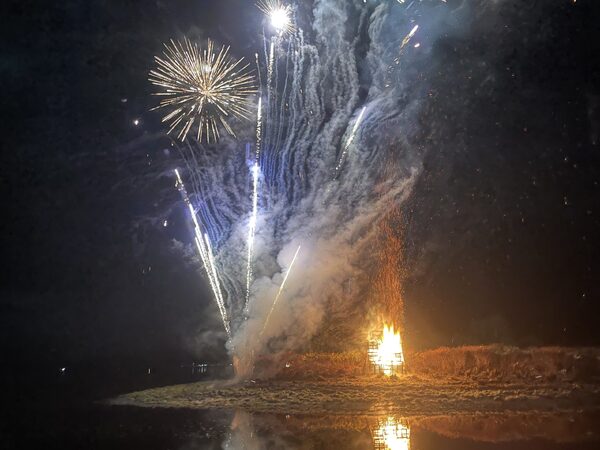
253, 217
349, 141
279, 292
408, 37
252, 229
206, 253
316, 116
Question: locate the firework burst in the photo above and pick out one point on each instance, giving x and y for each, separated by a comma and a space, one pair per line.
279, 14
202, 88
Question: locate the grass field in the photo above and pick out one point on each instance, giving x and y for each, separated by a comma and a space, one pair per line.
442, 381
491, 362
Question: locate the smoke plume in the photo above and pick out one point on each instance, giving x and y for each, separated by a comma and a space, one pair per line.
339, 153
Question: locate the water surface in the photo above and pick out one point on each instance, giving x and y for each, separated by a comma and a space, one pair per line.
113, 427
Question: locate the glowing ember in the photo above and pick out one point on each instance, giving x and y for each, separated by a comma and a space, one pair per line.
392, 435
385, 351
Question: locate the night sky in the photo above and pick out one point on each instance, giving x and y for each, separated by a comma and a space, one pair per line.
501, 231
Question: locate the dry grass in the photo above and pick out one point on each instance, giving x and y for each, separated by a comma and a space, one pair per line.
320, 365
498, 362
408, 395
482, 363
441, 381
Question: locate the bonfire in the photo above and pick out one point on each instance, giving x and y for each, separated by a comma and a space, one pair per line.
385, 351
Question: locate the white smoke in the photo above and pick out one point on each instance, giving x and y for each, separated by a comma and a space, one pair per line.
350, 60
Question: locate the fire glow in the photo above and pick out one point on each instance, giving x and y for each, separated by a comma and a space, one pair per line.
385, 351
392, 435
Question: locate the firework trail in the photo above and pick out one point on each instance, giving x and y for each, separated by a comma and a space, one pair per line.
252, 229
281, 21
280, 291
313, 113
255, 180
202, 89
205, 251
408, 37
271, 63
280, 17
311, 105
349, 141
258, 129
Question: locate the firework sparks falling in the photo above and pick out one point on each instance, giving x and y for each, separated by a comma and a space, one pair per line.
253, 218
287, 274
408, 37
252, 229
206, 254
203, 89
309, 123
349, 141
258, 129
271, 63
279, 14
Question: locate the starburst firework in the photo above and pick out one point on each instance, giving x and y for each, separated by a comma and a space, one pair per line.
280, 15
203, 88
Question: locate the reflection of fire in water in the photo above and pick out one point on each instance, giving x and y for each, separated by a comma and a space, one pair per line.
391, 434
385, 351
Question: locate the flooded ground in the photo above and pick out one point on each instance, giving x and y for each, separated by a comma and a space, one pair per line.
71, 411
497, 431
118, 427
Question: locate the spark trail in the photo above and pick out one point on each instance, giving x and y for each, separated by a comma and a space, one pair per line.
271, 63
349, 141
205, 251
279, 292
258, 129
312, 107
253, 217
252, 229
408, 37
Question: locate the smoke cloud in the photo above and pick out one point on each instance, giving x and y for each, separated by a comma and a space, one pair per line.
348, 94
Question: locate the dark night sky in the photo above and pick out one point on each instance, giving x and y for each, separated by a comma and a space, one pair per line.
501, 231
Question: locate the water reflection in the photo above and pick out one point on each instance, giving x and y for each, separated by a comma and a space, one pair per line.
509, 431
242, 434
391, 434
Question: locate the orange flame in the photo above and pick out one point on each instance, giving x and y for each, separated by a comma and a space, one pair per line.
388, 354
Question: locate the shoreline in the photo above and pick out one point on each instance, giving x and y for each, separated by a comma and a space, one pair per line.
407, 395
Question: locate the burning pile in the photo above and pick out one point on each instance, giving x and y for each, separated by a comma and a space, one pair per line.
385, 351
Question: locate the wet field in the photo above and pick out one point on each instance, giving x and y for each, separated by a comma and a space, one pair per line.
106, 427
72, 410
